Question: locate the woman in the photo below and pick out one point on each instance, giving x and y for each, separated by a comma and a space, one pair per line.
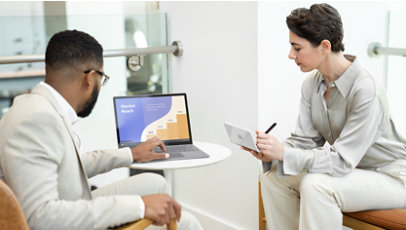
360, 167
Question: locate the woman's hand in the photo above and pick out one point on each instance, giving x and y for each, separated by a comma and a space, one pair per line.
269, 148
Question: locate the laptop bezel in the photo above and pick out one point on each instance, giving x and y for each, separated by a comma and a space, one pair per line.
166, 142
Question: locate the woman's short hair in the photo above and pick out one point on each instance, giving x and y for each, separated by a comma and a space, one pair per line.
320, 22
71, 48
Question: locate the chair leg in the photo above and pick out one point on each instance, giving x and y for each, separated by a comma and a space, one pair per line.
261, 213
139, 224
172, 225
143, 223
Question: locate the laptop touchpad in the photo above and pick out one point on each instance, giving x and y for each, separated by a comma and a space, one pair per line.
176, 155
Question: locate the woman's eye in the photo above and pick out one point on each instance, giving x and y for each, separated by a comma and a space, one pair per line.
297, 49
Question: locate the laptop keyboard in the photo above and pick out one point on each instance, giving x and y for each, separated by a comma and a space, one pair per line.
182, 152
178, 149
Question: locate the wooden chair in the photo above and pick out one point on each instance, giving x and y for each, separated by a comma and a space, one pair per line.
261, 213
376, 219
141, 224
12, 216
365, 220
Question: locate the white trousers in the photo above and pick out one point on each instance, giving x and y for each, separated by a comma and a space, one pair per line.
143, 184
315, 201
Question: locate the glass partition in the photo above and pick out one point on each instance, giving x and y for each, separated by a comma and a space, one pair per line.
22, 35
147, 31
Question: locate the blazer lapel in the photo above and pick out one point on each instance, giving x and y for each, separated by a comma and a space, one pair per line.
43, 91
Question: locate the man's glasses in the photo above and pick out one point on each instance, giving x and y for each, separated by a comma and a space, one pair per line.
105, 78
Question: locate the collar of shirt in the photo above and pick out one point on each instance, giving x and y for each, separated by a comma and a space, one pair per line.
345, 81
67, 110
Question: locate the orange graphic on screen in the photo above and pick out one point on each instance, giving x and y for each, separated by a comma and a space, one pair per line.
171, 126
173, 130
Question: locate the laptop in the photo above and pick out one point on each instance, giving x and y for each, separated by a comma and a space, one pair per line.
166, 116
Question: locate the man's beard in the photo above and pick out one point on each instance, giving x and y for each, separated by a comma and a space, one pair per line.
90, 103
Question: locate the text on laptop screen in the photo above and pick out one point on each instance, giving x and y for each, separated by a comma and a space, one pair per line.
140, 118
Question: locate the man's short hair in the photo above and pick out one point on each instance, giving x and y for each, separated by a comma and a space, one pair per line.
71, 48
320, 22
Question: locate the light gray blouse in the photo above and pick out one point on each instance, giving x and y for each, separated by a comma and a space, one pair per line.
355, 122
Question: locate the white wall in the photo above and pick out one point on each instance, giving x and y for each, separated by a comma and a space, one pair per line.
253, 96
218, 71
280, 79
98, 131
397, 69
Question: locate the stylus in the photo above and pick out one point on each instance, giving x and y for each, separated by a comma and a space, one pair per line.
270, 128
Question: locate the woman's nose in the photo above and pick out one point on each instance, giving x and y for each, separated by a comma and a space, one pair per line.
291, 55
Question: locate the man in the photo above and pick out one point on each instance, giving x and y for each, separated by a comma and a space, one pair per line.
39, 150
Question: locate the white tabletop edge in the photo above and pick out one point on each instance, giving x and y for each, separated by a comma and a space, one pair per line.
217, 153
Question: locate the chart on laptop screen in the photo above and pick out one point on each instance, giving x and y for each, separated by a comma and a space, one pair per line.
140, 118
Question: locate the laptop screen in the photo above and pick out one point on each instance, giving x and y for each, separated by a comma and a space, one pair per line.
139, 118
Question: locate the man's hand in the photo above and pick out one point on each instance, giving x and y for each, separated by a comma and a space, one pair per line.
269, 148
144, 152
161, 208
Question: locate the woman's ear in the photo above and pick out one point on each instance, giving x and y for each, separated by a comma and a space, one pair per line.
325, 45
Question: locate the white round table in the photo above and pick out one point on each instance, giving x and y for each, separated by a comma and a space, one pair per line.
216, 152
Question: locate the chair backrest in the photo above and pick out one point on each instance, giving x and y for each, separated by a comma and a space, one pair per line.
11, 214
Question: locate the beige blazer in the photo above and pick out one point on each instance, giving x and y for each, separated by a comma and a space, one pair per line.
40, 162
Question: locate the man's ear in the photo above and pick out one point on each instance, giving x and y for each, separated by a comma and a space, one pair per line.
325, 45
86, 81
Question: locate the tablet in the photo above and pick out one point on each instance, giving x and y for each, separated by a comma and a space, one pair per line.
241, 136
